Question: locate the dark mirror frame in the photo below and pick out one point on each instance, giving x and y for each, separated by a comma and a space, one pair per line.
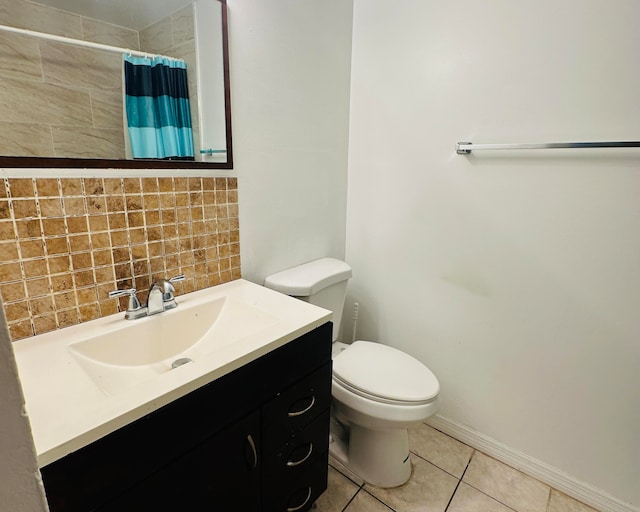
98, 163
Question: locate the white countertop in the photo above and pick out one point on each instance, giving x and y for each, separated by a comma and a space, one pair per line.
68, 410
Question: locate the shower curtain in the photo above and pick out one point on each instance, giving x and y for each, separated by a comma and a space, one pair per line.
157, 108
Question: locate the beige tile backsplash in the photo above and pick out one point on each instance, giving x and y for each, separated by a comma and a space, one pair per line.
66, 242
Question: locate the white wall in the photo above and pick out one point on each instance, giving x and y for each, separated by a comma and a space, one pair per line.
514, 276
290, 73
20, 484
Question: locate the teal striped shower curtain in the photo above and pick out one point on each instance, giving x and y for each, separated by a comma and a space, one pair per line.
157, 108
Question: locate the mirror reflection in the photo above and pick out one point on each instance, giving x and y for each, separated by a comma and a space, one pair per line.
64, 95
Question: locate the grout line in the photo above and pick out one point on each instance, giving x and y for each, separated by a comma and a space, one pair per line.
344, 474
442, 469
459, 482
472, 486
352, 498
375, 498
548, 499
492, 497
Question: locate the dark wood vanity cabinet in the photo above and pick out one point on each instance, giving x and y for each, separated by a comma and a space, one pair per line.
253, 440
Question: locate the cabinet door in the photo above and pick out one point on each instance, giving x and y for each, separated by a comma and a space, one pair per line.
221, 474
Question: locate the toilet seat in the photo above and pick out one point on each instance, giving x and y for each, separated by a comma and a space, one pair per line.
384, 374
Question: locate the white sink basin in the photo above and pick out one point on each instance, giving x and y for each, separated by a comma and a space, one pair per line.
143, 348
151, 340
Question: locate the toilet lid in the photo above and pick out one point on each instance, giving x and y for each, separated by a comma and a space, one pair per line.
385, 372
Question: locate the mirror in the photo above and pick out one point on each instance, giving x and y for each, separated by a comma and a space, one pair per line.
61, 104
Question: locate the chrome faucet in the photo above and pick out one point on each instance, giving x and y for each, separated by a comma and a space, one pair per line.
161, 295
161, 298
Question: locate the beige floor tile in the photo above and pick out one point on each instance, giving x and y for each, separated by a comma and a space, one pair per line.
336, 464
428, 490
339, 491
468, 499
507, 485
364, 502
559, 502
440, 449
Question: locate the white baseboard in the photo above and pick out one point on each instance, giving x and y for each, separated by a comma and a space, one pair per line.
550, 475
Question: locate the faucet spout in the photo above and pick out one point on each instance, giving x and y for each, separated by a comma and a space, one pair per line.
161, 295
155, 303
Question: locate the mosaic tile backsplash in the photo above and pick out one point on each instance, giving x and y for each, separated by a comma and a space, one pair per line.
65, 243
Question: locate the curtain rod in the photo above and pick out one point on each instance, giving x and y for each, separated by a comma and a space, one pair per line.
464, 148
79, 42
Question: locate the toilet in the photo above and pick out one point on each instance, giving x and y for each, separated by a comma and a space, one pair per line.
378, 391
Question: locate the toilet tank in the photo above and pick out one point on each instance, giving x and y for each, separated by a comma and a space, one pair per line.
321, 282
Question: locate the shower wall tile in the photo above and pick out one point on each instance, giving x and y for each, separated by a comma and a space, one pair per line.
65, 243
80, 67
88, 143
83, 89
25, 139
107, 109
20, 57
41, 18
157, 38
107, 33
9, 13
183, 25
30, 102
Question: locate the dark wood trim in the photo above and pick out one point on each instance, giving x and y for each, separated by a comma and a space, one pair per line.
227, 82
96, 163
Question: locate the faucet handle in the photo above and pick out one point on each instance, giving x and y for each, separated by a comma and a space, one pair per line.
178, 278
135, 309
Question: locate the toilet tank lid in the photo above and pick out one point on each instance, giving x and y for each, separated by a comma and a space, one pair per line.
309, 278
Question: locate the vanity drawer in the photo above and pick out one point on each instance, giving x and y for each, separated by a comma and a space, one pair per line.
297, 406
299, 452
298, 493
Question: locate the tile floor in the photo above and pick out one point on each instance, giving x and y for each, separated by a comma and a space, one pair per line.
448, 476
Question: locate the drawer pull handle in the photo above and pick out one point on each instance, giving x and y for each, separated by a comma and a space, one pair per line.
294, 463
295, 509
302, 411
254, 453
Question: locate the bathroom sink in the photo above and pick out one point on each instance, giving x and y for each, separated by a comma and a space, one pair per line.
151, 340
104, 374
141, 349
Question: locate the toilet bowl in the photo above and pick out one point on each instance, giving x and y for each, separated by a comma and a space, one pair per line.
378, 392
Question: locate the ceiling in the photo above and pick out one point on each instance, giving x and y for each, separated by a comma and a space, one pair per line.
134, 14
